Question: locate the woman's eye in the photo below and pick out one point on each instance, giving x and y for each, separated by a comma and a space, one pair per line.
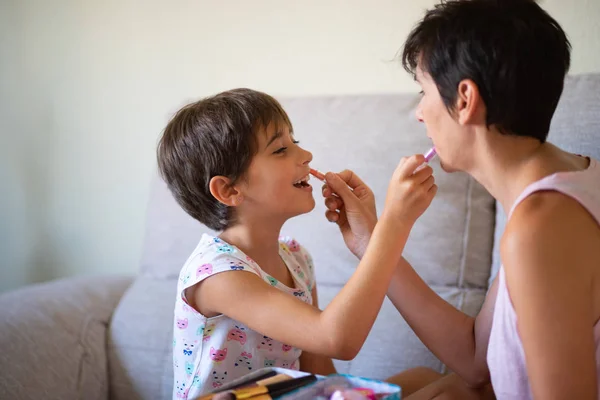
281, 150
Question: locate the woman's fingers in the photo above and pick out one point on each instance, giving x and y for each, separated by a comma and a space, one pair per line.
333, 203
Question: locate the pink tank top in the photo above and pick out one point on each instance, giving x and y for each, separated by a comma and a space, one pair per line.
506, 357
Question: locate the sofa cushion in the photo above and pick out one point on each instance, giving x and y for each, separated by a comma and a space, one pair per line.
140, 338
575, 128
392, 346
53, 338
449, 245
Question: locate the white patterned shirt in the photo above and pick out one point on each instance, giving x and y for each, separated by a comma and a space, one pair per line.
209, 352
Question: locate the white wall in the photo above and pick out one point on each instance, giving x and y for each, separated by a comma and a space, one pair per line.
86, 87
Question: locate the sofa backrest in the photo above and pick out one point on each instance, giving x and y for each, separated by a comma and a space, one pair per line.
450, 245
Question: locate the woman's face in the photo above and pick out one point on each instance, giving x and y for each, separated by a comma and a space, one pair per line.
449, 137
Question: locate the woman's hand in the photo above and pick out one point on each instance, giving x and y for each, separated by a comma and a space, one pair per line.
351, 204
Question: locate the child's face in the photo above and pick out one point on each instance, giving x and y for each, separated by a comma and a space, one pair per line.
276, 181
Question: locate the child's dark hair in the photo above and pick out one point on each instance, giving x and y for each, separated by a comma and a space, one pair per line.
515, 52
214, 136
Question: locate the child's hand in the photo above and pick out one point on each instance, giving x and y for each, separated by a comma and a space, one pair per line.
409, 192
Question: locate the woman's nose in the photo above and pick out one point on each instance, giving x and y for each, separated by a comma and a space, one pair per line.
419, 113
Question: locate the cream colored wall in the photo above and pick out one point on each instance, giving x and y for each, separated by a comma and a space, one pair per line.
86, 87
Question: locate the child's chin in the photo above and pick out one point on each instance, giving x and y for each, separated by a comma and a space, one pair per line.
311, 205
306, 207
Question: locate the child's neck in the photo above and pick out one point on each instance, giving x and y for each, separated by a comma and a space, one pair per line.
259, 242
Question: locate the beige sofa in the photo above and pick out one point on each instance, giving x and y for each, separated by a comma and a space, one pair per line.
111, 336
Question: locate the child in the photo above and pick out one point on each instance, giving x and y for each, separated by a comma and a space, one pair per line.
231, 161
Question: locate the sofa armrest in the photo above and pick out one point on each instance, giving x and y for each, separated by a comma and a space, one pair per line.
53, 338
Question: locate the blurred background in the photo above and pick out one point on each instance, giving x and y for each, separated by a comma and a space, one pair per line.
86, 88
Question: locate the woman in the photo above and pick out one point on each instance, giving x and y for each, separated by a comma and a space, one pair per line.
491, 74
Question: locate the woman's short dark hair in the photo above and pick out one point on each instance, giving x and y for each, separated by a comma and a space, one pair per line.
515, 52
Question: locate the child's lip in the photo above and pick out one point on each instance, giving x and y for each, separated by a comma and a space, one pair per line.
303, 177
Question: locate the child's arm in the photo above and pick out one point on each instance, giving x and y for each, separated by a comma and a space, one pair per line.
340, 330
316, 363
550, 253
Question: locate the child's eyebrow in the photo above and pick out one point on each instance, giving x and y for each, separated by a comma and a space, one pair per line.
276, 136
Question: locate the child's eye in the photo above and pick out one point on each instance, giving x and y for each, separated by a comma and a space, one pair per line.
421, 93
295, 141
280, 151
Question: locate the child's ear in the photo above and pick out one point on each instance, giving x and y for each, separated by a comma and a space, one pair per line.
225, 193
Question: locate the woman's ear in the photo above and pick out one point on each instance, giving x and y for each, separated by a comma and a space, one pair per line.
222, 190
469, 104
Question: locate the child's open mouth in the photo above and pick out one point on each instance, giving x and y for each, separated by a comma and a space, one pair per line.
302, 183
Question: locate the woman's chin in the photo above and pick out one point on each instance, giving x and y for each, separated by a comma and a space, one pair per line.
448, 168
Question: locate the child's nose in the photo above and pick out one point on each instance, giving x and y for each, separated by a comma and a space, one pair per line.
306, 157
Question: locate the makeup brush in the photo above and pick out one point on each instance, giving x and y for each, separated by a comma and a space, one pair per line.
265, 391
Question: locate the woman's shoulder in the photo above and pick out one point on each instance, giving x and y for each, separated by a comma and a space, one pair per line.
549, 228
